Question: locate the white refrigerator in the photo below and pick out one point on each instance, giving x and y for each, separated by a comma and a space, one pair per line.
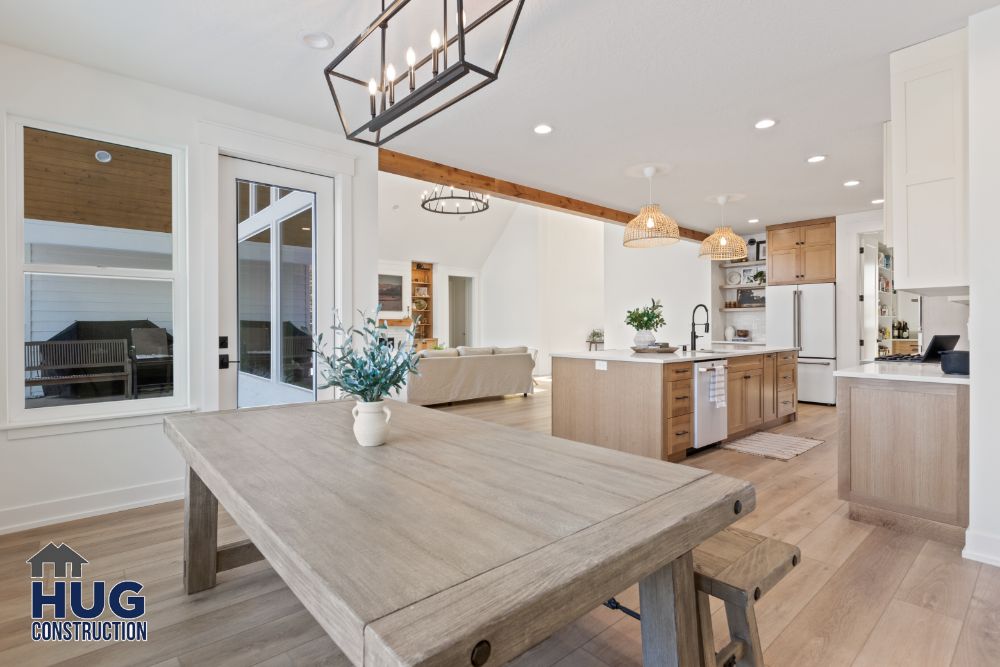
805, 316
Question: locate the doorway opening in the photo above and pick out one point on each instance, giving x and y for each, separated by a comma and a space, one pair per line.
459, 310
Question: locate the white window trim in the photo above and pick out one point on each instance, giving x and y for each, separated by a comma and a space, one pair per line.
16, 415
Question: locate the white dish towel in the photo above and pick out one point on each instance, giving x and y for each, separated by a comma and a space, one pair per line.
717, 386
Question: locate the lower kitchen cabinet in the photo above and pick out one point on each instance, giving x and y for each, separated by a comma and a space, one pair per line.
746, 399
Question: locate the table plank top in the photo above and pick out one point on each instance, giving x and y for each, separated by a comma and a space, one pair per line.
407, 552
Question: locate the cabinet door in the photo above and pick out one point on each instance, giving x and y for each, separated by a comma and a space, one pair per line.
735, 402
821, 234
819, 264
783, 267
753, 396
788, 238
770, 399
929, 106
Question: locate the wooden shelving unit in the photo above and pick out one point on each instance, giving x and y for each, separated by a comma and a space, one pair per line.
422, 288
739, 265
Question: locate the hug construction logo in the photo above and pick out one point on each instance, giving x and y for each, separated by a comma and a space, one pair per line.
72, 618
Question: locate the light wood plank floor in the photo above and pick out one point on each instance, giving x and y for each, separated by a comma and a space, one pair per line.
862, 596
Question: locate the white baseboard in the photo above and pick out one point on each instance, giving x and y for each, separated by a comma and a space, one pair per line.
982, 547
24, 517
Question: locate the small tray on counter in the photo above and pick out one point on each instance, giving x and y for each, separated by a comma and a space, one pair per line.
654, 349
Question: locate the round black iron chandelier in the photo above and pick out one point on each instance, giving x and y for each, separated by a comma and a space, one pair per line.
449, 201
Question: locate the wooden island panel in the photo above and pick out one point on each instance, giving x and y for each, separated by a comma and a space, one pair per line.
904, 455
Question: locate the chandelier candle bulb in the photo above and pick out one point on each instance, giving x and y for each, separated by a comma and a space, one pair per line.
435, 45
372, 89
411, 60
390, 75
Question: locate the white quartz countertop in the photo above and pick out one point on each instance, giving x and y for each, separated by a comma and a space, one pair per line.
903, 371
672, 358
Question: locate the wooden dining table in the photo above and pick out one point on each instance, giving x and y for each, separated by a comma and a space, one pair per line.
458, 542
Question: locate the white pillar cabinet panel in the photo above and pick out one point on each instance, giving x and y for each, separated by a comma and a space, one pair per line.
928, 146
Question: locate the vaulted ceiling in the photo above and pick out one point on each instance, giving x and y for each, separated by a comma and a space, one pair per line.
622, 83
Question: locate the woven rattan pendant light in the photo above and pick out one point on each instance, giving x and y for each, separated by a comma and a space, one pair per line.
723, 244
652, 227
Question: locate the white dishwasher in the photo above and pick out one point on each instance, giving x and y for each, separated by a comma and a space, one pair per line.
711, 415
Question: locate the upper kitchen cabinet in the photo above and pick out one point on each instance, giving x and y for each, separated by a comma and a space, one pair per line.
928, 145
802, 252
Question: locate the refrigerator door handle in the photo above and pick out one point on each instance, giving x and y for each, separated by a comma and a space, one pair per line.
795, 318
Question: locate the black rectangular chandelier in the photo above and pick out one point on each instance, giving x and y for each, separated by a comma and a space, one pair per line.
444, 51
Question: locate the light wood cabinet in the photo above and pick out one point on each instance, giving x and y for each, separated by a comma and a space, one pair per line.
679, 436
802, 252
745, 387
770, 387
928, 169
904, 455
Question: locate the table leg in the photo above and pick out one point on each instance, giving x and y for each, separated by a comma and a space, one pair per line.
201, 523
669, 616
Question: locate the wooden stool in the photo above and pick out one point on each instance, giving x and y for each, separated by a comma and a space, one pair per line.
737, 567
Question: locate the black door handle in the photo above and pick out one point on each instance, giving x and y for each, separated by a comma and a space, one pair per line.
224, 361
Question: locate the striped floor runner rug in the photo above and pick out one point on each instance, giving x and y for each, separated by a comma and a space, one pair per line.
773, 445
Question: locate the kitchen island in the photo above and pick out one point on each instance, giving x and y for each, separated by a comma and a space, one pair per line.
645, 403
904, 447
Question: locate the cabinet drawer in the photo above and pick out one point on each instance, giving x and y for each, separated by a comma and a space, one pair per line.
788, 357
677, 371
679, 400
786, 402
747, 362
786, 376
679, 434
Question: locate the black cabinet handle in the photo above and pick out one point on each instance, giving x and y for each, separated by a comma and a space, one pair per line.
746, 377
681, 433
681, 398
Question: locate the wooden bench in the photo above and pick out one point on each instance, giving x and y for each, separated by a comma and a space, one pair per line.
739, 568
67, 362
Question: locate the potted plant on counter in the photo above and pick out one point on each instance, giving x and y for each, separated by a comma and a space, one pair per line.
645, 321
364, 363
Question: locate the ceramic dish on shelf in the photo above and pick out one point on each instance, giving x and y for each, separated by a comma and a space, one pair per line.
734, 277
419, 304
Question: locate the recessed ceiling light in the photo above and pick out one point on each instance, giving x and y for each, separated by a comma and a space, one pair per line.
852, 183
543, 129
815, 158
103, 157
317, 40
395, 207
878, 201
765, 123
753, 221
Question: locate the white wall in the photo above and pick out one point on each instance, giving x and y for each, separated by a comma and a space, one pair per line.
543, 283
510, 285
983, 537
52, 473
673, 274
938, 315
848, 327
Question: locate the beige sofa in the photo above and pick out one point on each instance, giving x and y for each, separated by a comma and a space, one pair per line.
470, 372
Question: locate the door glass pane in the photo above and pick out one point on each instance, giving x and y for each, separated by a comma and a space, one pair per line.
96, 203
297, 299
275, 288
254, 294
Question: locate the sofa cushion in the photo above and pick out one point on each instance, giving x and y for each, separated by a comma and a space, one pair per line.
464, 351
517, 349
450, 352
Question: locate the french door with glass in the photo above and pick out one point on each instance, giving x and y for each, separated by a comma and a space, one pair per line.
273, 281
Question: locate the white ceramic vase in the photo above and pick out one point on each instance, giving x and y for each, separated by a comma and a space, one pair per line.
371, 423
644, 338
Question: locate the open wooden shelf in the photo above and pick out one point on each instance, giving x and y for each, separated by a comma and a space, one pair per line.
736, 310
737, 265
743, 286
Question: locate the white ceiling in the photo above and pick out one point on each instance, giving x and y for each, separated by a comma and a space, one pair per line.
623, 83
407, 232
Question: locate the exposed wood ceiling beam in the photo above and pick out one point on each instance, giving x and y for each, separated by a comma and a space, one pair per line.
433, 172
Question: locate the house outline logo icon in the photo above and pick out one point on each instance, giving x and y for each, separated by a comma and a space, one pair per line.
62, 558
